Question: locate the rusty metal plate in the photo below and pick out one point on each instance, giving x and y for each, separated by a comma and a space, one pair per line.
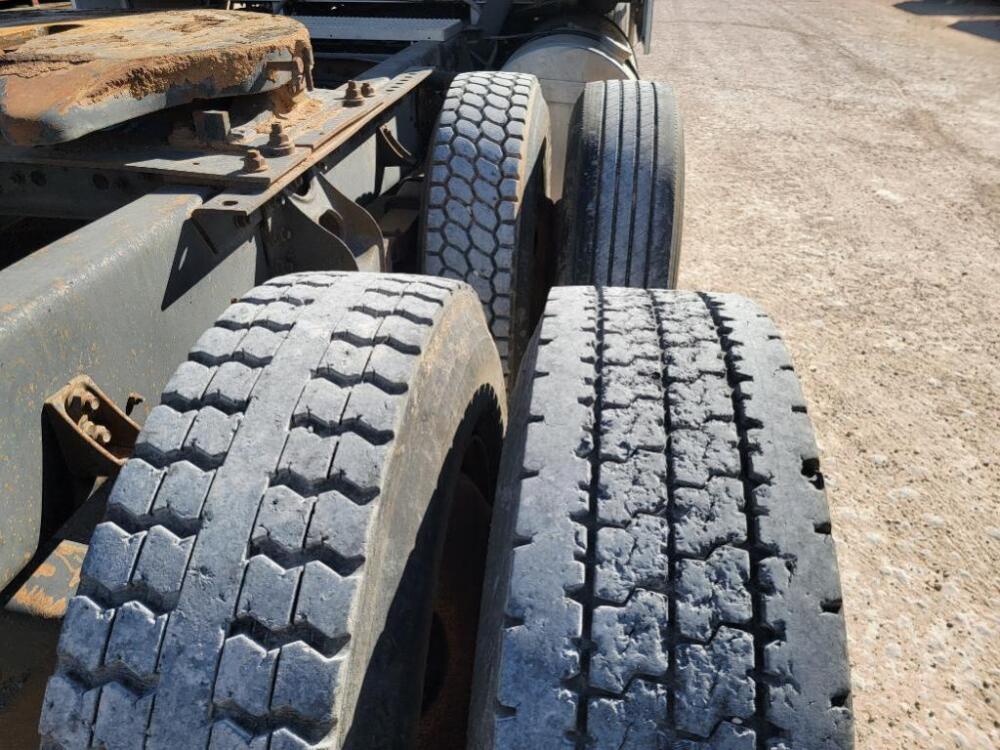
72, 74
332, 127
53, 583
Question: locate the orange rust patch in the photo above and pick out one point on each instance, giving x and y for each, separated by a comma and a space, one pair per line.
58, 67
34, 599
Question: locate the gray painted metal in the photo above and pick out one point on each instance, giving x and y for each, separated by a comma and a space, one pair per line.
361, 28
564, 63
646, 28
122, 300
199, 167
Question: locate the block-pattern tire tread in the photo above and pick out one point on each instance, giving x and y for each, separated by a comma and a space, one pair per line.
478, 167
274, 669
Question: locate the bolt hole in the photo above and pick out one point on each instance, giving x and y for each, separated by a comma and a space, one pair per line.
840, 700
230, 203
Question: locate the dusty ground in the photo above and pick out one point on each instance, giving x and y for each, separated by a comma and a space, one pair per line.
843, 163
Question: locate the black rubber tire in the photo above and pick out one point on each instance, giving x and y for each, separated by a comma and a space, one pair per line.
622, 205
486, 180
264, 575
661, 565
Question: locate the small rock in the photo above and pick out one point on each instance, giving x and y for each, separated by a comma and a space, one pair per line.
903, 493
879, 459
934, 520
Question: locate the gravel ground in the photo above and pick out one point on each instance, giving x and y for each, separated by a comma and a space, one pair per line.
843, 167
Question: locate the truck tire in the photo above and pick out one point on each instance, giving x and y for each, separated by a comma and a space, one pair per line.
623, 201
264, 574
663, 574
486, 182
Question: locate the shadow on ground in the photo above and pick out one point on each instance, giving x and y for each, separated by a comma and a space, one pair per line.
972, 14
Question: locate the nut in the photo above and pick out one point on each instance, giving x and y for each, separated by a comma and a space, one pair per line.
278, 144
352, 96
367, 90
254, 162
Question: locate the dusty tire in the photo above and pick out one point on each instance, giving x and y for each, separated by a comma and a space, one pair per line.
622, 206
263, 576
486, 180
661, 569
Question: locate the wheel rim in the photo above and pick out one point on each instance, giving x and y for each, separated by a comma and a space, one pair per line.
455, 620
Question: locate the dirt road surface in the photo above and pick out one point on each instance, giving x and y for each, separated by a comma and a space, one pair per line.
843, 167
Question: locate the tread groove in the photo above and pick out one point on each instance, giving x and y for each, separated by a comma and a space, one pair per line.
582, 739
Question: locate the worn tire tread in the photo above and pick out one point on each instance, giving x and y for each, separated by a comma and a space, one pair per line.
664, 571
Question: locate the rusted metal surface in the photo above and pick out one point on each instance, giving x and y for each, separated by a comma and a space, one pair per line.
49, 588
323, 135
314, 124
73, 74
95, 436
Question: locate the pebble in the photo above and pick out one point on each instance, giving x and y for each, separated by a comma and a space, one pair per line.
903, 493
894, 198
934, 520
879, 459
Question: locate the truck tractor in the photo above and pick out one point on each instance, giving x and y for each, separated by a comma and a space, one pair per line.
345, 335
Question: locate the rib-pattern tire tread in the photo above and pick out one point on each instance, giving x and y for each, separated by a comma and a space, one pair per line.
665, 574
623, 204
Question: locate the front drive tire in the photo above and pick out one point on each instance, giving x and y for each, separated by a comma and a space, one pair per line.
661, 573
265, 573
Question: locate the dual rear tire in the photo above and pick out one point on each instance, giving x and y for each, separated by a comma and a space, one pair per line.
618, 224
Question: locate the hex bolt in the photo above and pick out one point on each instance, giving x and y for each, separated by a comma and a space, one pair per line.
352, 97
367, 90
278, 144
254, 162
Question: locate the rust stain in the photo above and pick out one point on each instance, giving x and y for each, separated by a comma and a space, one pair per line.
52, 583
59, 67
35, 600
46, 570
